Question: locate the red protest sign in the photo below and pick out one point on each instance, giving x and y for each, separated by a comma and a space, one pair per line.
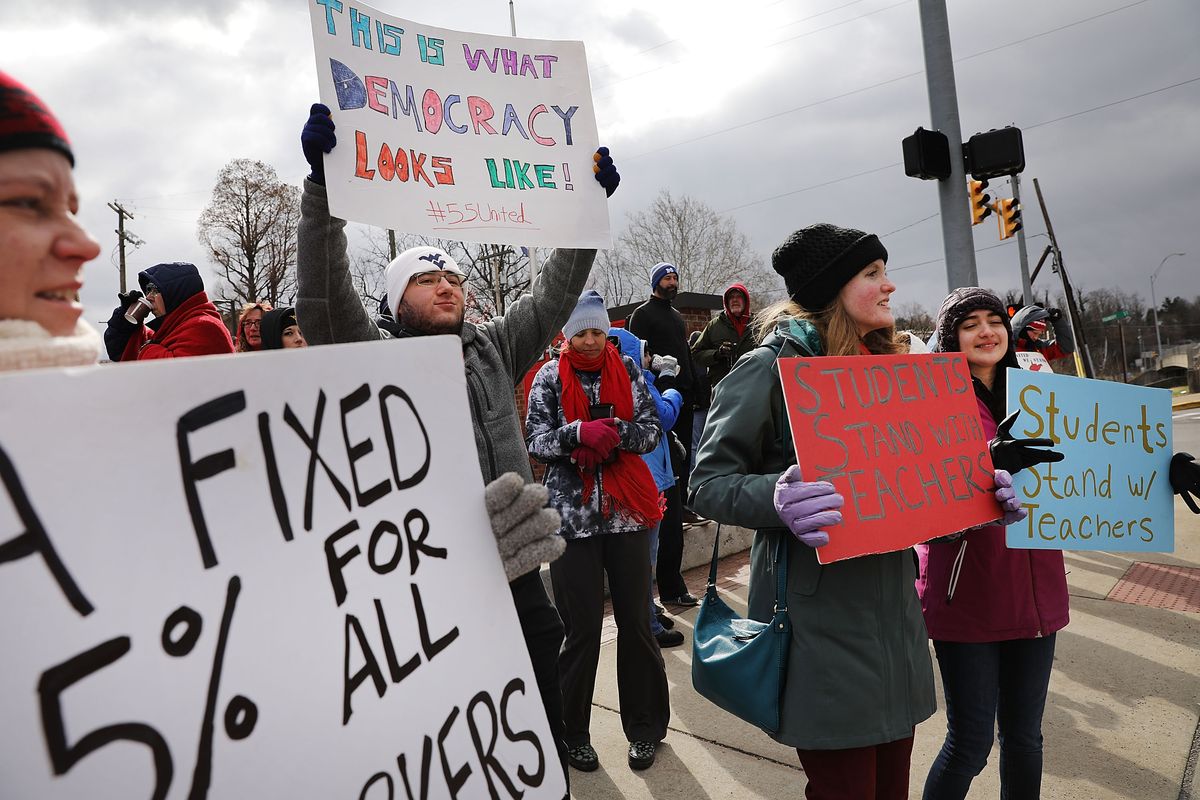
900, 438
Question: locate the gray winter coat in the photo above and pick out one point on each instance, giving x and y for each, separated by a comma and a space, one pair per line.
497, 353
551, 439
859, 671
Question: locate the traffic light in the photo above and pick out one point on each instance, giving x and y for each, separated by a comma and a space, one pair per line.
1008, 217
979, 201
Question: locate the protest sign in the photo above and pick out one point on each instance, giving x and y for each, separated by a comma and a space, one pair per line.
1111, 491
1032, 360
900, 438
458, 135
243, 576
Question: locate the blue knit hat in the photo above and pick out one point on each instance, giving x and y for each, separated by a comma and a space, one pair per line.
589, 313
661, 270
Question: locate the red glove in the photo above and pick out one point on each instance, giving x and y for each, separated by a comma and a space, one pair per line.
586, 458
600, 435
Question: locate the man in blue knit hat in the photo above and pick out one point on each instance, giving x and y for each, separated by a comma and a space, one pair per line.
662, 327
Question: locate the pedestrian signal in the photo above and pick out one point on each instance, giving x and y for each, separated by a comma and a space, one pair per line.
979, 201
1013, 308
1008, 217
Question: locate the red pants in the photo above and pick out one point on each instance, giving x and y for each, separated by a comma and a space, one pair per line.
878, 772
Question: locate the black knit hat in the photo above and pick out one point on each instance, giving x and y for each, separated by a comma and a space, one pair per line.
957, 306
817, 261
25, 121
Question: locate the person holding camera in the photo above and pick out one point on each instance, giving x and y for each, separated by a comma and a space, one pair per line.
590, 419
726, 337
186, 323
1043, 330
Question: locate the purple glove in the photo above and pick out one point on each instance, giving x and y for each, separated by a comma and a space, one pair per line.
807, 506
1006, 496
605, 171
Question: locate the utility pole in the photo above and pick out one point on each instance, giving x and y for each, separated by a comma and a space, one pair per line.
957, 240
1022, 253
122, 236
1083, 365
392, 243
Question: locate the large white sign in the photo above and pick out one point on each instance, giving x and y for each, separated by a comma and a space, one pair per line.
458, 135
266, 575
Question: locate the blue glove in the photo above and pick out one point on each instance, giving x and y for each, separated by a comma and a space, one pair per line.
806, 507
606, 171
1006, 496
316, 139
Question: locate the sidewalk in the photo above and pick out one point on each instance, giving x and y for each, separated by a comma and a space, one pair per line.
1121, 719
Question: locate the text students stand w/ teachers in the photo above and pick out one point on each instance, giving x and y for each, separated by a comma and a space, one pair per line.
859, 677
424, 286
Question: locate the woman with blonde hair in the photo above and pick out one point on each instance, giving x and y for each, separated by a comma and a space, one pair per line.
42, 246
859, 677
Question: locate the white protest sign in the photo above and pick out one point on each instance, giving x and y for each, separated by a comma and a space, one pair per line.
1033, 361
458, 135
243, 576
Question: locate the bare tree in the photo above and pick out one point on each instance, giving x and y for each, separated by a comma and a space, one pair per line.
249, 229
708, 249
914, 317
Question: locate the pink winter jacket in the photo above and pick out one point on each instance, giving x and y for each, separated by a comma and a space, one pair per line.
1000, 593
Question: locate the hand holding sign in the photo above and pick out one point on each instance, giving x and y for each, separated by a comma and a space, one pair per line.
1185, 478
605, 171
1006, 496
317, 138
807, 507
1013, 455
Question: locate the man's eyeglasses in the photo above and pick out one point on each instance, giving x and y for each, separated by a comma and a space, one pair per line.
151, 290
434, 278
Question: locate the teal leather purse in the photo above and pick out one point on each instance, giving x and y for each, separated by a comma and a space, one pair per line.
740, 664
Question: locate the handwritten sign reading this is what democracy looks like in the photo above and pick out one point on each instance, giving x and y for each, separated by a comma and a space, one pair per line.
458, 135
242, 577
1111, 491
900, 438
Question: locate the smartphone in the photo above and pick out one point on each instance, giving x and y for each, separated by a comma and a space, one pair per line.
600, 410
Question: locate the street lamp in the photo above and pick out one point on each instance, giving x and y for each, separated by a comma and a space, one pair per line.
1154, 302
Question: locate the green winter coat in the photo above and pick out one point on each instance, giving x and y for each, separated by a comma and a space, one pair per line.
718, 330
859, 671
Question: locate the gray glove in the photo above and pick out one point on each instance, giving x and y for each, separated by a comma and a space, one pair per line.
666, 366
526, 530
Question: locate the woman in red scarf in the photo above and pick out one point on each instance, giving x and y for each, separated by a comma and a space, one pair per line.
590, 418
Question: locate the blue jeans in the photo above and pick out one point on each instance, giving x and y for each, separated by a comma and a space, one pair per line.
990, 684
655, 626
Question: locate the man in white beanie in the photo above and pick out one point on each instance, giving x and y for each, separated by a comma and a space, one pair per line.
426, 296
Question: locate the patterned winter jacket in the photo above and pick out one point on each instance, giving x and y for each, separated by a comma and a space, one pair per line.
551, 439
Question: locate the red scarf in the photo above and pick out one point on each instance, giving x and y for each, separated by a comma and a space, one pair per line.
627, 480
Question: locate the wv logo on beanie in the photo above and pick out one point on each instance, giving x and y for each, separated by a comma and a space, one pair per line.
435, 259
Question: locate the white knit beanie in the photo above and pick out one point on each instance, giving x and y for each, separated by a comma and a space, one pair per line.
414, 261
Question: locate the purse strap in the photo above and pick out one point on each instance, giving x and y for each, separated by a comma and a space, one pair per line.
780, 570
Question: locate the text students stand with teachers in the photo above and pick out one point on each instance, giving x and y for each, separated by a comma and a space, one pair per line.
426, 293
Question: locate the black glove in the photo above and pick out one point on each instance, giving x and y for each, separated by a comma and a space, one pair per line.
1014, 455
316, 138
1185, 479
1054, 314
128, 299
606, 171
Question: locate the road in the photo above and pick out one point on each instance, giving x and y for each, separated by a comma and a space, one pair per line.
1186, 431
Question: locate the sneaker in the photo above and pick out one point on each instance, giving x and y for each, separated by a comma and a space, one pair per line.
687, 600
669, 638
664, 620
584, 758
641, 754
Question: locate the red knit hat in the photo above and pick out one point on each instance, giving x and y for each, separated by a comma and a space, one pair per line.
25, 121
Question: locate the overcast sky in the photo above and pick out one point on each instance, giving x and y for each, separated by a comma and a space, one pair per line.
783, 113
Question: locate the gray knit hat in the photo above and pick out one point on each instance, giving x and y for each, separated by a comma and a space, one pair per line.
817, 261
955, 308
589, 313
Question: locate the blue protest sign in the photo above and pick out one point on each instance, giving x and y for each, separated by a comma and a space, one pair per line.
1111, 491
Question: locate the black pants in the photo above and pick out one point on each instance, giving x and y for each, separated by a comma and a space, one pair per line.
578, 580
543, 631
670, 547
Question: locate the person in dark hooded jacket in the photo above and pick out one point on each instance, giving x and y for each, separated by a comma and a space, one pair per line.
726, 337
1043, 330
186, 322
280, 331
